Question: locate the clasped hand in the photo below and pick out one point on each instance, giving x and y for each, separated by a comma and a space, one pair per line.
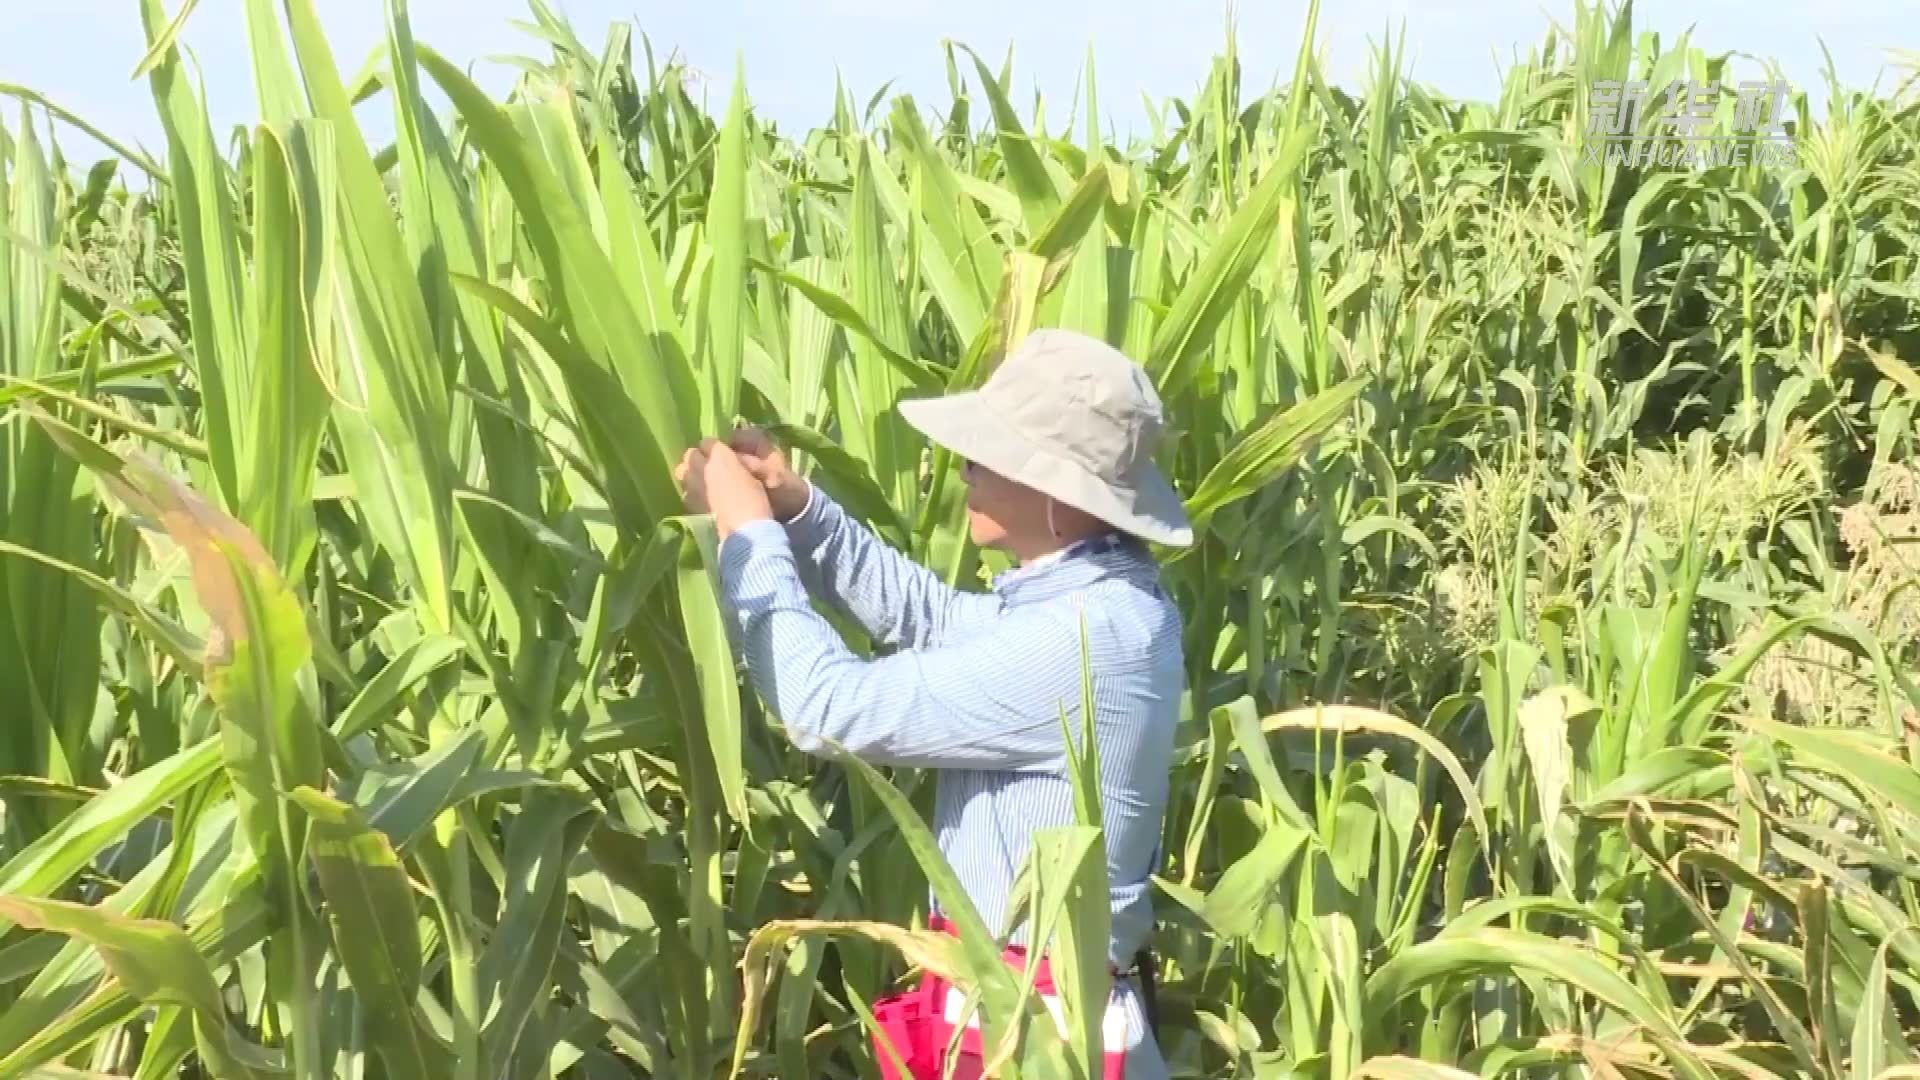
743, 479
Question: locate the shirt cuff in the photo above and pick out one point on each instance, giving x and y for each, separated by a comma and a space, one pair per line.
756, 561
758, 576
812, 497
813, 524
752, 540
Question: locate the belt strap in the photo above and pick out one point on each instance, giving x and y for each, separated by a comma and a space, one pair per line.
1143, 962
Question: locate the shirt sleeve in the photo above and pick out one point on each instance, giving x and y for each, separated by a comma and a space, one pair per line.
991, 701
898, 602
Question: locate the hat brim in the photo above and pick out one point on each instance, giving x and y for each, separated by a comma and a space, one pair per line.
1147, 507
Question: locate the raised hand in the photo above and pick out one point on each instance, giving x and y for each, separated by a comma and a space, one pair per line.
787, 491
717, 482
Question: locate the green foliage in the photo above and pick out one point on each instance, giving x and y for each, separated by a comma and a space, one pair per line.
1552, 621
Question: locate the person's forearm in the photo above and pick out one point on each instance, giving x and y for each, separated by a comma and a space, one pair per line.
897, 601
992, 701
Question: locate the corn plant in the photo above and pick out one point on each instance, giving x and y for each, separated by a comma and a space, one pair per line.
373, 713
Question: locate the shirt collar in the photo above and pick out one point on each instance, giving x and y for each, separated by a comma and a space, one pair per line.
1085, 552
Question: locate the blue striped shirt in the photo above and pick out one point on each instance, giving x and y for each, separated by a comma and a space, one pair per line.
974, 687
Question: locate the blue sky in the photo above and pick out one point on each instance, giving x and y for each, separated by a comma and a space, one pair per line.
80, 52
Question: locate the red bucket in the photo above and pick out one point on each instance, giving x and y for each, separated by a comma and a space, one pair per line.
918, 1025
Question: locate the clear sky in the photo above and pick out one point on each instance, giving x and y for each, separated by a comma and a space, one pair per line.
81, 52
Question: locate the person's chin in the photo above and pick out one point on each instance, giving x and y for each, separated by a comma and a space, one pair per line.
986, 536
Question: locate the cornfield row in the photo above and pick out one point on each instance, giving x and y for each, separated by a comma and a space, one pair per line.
1552, 619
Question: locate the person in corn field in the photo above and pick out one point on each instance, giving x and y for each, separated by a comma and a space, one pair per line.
1058, 449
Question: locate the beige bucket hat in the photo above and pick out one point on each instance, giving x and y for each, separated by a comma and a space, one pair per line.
1072, 417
